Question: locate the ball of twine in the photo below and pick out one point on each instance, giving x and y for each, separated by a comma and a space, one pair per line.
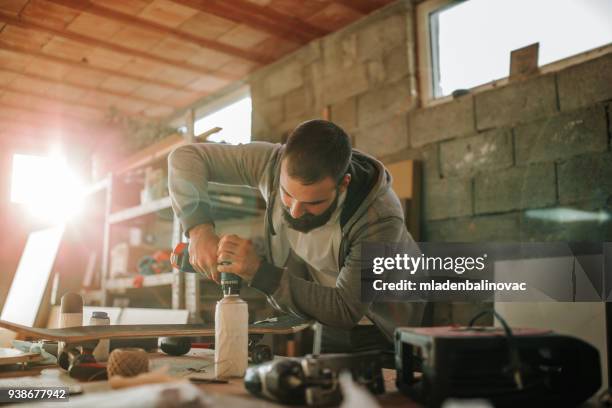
127, 362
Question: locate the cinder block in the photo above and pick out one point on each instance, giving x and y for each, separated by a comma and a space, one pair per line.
486, 151
518, 102
448, 198
585, 84
386, 137
376, 72
381, 36
270, 111
562, 136
440, 122
515, 188
586, 178
344, 114
339, 52
283, 78
390, 99
298, 101
313, 77
309, 53
396, 63
344, 84
486, 228
430, 156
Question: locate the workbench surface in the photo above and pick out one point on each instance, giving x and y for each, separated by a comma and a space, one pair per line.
232, 393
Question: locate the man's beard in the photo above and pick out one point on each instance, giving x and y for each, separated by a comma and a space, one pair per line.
308, 222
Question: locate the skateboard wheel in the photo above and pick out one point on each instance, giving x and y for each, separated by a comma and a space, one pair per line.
175, 346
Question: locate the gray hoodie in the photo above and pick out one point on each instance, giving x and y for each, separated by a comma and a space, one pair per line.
371, 213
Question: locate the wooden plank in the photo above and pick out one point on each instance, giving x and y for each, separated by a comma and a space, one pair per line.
150, 153
276, 325
130, 20
402, 173
55, 114
81, 65
259, 17
34, 119
40, 130
90, 41
60, 101
363, 6
34, 99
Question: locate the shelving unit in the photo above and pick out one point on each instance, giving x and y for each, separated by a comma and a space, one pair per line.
124, 211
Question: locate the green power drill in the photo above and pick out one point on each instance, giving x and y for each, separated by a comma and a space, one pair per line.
230, 283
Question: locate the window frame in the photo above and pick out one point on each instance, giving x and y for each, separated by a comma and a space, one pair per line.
427, 67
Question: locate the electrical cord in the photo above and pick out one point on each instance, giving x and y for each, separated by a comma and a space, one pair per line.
513, 354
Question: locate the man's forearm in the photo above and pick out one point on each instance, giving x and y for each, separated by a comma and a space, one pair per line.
288, 290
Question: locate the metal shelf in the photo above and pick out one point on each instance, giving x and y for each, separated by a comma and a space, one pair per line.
139, 211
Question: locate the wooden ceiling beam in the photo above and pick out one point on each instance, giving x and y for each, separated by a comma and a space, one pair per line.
263, 18
55, 114
57, 101
30, 25
83, 87
41, 129
84, 65
36, 121
18, 113
88, 6
363, 6
8, 137
63, 101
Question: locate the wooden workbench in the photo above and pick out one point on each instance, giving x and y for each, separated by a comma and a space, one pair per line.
232, 393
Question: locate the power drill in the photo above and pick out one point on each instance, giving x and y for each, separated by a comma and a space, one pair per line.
230, 283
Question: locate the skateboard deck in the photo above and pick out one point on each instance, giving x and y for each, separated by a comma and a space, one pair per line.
13, 356
275, 325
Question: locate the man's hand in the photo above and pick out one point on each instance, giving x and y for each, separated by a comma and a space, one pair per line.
203, 242
241, 253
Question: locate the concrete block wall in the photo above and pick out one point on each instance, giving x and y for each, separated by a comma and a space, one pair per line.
495, 163
361, 75
521, 152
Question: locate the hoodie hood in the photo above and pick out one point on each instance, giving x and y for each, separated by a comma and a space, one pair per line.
369, 180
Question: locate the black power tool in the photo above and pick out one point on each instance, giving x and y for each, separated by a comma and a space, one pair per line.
230, 283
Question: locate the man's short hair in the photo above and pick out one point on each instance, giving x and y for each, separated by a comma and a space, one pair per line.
317, 149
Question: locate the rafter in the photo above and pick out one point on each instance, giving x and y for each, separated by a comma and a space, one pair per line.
101, 11
30, 25
59, 102
71, 63
62, 101
40, 128
263, 18
51, 113
83, 87
8, 137
19, 113
363, 6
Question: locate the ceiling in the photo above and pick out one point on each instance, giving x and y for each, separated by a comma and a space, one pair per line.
65, 64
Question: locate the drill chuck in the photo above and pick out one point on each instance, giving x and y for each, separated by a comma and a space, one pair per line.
230, 283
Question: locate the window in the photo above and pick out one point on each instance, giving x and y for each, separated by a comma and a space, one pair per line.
233, 118
469, 42
46, 186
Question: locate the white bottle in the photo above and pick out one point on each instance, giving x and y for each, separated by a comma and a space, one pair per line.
231, 337
101, 351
